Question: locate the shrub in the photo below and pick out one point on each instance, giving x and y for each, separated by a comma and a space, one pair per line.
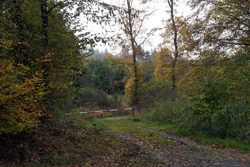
93, 98
222, 106
172, 112
155, 92
20, 97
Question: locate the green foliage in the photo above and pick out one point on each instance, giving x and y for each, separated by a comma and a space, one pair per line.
222, 105
95, 97
102, 75
156, 92
136, 120
172, 112
159, 90
92, 99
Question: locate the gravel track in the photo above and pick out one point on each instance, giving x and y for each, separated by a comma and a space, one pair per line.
187, 153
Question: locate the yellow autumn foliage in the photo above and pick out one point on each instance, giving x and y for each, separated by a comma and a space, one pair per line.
129, 79
130, 84
219, 70
19, 97
163, 67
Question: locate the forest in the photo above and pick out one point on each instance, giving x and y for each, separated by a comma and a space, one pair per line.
197, 79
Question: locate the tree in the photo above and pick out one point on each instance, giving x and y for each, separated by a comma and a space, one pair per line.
103, 75
171, 59
176, 52
163, 69
224, 25
21, 81
217, 35
20, 96
212, 34
221, 103
162, 61
132, 25
125, 65
40, 55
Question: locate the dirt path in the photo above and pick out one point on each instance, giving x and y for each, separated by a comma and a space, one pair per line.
186, 153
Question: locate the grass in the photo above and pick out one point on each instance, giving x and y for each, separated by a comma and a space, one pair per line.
121, 125
227, 143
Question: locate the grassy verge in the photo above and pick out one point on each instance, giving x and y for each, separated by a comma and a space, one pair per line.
149, 139
122, 124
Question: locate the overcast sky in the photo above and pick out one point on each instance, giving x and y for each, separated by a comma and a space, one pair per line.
154, 20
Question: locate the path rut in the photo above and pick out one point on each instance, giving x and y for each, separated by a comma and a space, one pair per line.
188, 152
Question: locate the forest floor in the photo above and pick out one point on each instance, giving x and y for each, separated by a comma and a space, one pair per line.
113, 142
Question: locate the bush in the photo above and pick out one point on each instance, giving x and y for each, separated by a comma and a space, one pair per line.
155, 92
172, 112
20, 97
92, 98
222, 106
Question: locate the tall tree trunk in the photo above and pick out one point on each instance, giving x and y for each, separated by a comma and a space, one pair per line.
17, 20
45, 43
136, 100
45, 22
176, 54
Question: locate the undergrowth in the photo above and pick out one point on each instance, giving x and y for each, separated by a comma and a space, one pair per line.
56, 145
